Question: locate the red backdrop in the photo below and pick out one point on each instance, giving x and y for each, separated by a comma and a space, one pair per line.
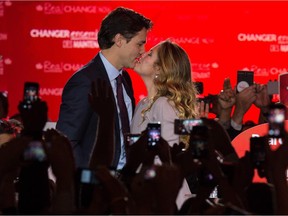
47, 42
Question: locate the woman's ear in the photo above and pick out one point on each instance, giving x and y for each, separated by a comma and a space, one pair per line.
157, 69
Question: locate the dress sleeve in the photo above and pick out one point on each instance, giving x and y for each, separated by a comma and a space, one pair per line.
164, 112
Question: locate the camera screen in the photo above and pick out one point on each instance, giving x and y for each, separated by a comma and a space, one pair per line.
35, 152
277, 116
154, 133
154, 136
86, 176
276, 122
132, 138
31, 93
185, 126
244, 80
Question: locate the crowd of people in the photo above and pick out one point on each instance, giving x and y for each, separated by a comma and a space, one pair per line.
96, 171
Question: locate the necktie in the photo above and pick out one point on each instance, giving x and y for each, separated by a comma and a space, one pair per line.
122, 106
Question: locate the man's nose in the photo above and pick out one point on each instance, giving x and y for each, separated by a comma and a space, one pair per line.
142, 50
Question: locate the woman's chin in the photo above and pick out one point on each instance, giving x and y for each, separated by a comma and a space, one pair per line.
136, 67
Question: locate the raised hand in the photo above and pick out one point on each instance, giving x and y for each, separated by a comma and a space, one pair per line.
226, 98
116, 195
35, 118
226, 101
203, 109
11, 154
221, 141
277, 163
262, 100
60, 156
155, 189
244, 100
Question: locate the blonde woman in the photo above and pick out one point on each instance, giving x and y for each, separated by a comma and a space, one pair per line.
166, 72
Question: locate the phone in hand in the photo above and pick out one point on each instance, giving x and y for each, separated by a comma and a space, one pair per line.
130, 139
33, 184
86, 181
257, 151
276, 120
88, 176
206, 178
185, 126
198, 142
258, 154
244, 80
35, 152
31, 94
154, 134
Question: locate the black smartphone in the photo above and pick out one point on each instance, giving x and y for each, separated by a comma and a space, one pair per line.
185, 126
198, 141
130, 139
31, 93
86, 181
257, 151
276, 120
206, 178
258, 154
154, 134
244, 80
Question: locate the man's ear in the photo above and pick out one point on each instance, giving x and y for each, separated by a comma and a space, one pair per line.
118, 39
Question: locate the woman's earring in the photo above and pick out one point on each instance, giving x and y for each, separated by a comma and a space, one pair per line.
156, 76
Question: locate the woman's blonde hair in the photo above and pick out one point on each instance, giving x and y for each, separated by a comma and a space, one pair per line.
174, 80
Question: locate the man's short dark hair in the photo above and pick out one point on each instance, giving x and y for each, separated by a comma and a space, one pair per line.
123, 21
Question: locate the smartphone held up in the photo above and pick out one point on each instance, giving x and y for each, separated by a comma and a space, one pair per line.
154, 134
276, 120
130, 139
198, 143
31, 94
258, 154
244, 80
185, 126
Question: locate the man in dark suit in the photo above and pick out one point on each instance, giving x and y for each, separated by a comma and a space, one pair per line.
121, 38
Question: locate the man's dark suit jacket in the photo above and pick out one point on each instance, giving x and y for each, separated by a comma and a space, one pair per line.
77, 120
